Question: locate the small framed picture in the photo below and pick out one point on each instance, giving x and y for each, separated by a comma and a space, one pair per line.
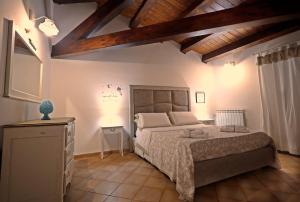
200, 97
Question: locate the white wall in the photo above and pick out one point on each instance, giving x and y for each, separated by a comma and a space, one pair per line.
238, 87
15, 110
76, 86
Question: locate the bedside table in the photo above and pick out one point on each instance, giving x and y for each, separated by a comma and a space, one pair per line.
208, 121
112, 130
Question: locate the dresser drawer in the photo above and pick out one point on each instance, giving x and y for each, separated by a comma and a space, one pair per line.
69, 151
68, 174
69, 133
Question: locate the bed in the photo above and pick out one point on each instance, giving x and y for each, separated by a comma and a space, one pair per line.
193, 162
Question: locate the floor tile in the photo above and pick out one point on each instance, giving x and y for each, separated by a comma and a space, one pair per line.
145, 164
147, 194
116, 199
259, 195
279, 186
105, 187
85, 163
73, 195
157, 173
82, 172
118, 176
127, 168
208, 190
143, 171
205, 199
110, 167
229, 200
287, 197
92, 197
155, 182
87, 185
101, 174
230, 192
170, 196
170, 185
77, 180
136, 179
126, 191
134, 163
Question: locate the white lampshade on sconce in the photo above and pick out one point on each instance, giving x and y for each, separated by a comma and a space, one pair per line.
48, 27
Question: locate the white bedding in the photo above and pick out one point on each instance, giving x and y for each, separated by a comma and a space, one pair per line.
174, 150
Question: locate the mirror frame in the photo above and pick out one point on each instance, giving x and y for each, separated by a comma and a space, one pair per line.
9, 91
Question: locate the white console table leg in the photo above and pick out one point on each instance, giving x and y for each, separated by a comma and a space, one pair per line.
101, 144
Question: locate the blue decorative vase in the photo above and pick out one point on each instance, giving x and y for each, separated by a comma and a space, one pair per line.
46, 108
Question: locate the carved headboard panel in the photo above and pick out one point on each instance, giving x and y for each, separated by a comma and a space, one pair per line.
146, 99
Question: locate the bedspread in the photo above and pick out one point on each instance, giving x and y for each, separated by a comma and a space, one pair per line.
174, 153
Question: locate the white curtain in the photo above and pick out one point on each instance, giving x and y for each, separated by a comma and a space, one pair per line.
279, 74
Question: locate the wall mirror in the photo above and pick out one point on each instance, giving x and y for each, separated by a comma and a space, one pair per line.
24, 70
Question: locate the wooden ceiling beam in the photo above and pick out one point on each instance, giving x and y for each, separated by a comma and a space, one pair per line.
195, 4
189, 43
267, 12
142, 12
94, 22
267, 34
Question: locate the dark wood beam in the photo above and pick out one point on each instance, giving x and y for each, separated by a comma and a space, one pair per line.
237, 17
189, 43
142, 11
195, 4
72, 1
267, 34
97, 20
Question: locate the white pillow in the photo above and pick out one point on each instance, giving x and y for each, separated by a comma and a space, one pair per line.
152, 120
183, 118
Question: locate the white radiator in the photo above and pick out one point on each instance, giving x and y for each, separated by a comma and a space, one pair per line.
230, 117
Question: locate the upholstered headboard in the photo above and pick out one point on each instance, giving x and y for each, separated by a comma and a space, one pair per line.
146, 99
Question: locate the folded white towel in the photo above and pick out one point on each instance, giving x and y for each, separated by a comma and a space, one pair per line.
195, 133
234, 129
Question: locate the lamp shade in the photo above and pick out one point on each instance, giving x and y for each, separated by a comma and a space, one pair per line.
48, 27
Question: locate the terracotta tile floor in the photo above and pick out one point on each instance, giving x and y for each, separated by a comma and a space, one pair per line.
131, 179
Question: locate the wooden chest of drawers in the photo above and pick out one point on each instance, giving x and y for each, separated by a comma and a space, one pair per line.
37, 160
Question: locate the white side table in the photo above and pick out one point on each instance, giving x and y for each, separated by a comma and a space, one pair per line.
112, 130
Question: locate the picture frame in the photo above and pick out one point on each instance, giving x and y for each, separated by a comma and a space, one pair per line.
200, 97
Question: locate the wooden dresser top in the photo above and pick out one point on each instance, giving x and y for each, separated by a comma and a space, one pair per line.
54, 121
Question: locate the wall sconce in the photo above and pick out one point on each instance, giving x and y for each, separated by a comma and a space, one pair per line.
111, 93
230, 64
200, 97
48, 27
